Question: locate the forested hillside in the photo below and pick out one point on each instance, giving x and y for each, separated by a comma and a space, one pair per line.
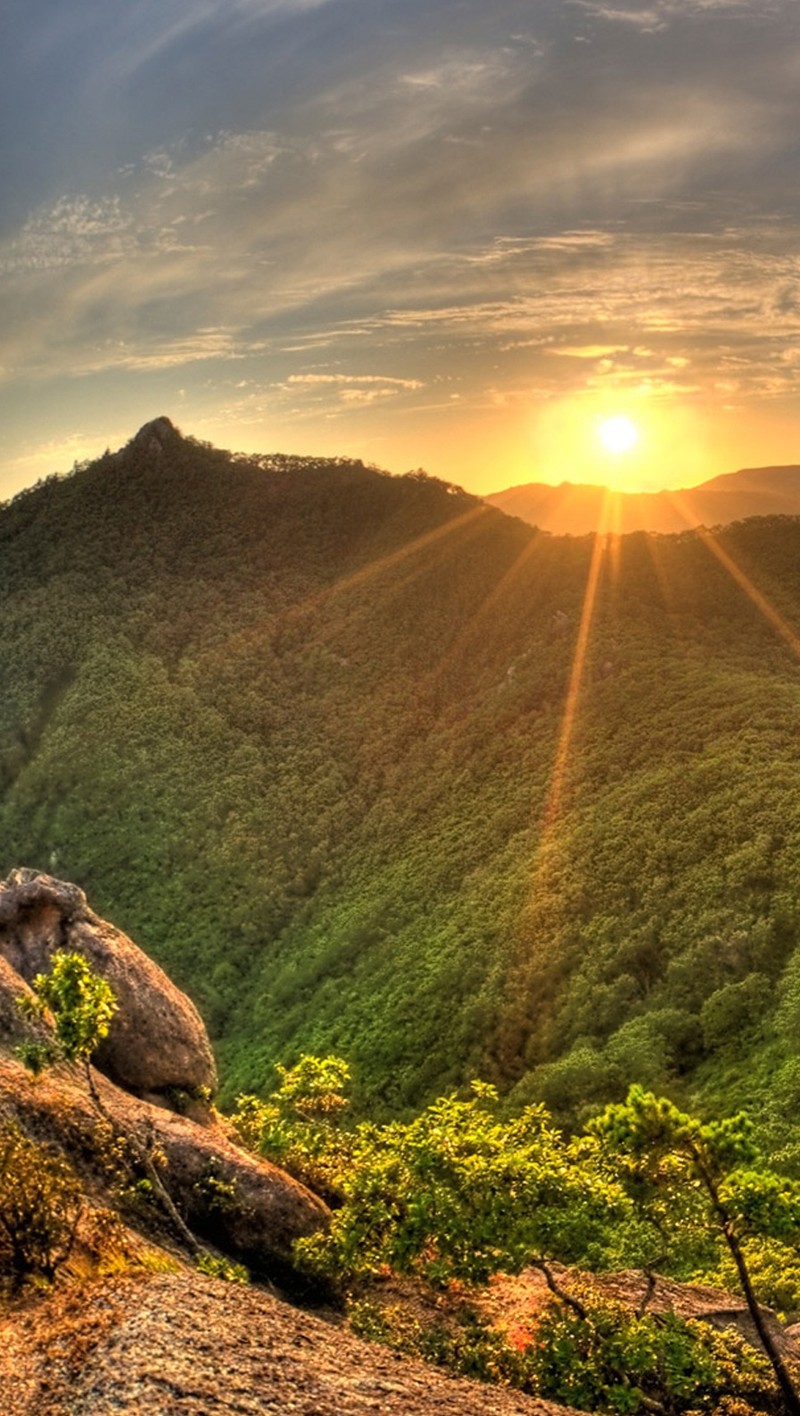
299, 728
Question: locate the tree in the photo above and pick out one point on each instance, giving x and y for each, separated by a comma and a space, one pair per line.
298, 1125
81, 1005
666, 1158
459, 1193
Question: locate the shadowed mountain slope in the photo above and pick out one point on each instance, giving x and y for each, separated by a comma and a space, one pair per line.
371, 768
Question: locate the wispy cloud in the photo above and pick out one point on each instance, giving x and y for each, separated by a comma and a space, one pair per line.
660, 13
312, 191
76, 230
350, 379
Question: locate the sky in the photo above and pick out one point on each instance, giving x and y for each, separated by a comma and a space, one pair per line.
451, 234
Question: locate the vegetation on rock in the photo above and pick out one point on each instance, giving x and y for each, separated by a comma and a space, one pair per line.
81, 1006
460, 1193
41, 1201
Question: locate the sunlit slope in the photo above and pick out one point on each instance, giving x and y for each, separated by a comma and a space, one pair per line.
302, 732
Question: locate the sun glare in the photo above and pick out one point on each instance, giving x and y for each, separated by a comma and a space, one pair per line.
618, 434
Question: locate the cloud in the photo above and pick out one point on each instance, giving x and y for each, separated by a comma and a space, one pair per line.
384, 380
350, 390
201, 345
660, 13
309, 194
589, 351
76, 230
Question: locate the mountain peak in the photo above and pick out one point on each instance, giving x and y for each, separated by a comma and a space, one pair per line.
154, 436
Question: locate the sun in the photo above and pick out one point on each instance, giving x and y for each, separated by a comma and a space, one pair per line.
618, 434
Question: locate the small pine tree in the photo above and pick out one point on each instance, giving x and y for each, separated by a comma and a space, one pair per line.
81, 1005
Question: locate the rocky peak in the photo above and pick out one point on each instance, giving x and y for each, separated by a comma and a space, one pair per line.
156, 436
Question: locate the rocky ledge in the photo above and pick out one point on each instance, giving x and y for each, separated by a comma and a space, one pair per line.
181, 1345
157, 1056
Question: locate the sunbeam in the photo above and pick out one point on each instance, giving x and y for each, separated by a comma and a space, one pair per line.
744, 582
562, 754
752, 591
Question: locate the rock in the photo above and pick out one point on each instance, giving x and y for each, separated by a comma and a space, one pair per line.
155, 436
175, 1343
13, 1028
157, 1042
268, 1209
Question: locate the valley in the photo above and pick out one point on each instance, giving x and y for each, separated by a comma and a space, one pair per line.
374, 769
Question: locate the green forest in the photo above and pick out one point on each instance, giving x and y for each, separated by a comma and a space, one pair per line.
373, 769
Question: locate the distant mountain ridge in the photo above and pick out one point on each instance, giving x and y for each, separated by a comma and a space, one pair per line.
577, 508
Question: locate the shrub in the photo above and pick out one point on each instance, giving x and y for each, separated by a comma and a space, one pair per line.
40, 1205
613, 1360
460, 1193
216, 1266
81, 1005
298, 1126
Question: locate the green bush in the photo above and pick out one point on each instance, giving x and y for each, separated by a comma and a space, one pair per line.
460, 1193
298, 1125
604, 1358
81, 1006
612, 1359
217, 1266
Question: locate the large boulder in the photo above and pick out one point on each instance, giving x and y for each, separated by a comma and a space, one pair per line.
157, 1045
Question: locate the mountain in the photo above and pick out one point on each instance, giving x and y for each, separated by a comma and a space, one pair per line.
576, 509
371, 768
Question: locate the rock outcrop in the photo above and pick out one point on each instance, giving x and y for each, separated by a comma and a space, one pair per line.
156, 436
13, 1028
178, 1343
268, 1209
157, 1043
